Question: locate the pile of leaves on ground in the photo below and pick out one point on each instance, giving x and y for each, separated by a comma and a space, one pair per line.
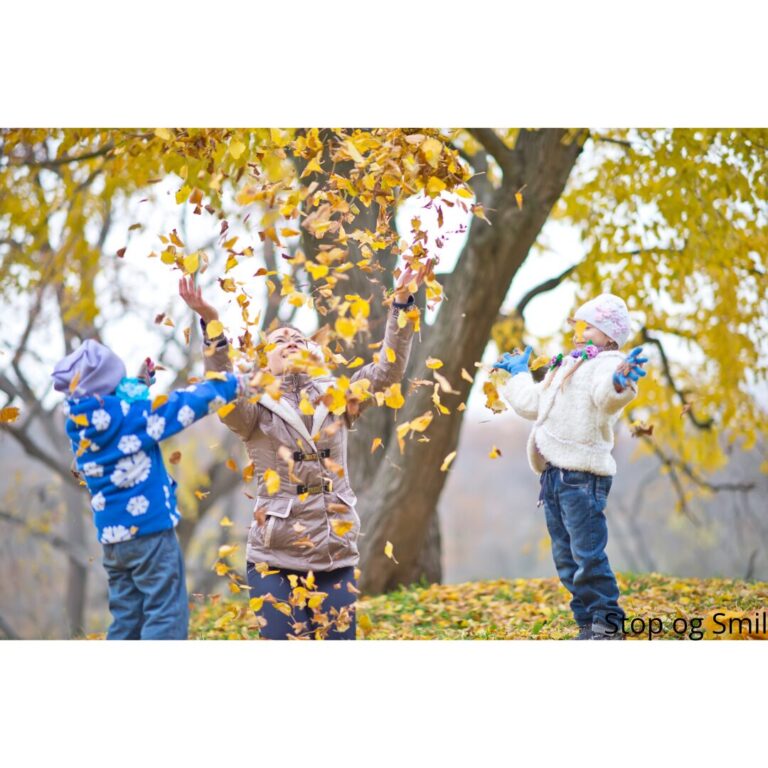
657, 607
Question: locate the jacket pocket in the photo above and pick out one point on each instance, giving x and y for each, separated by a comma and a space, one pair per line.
275, 510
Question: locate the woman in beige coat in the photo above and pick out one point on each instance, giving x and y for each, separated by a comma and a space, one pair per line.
302, 545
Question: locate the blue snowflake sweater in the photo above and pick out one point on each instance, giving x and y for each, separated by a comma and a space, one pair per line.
132, 494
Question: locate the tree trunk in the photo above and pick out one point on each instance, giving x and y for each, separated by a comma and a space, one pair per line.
400, 505
77, 571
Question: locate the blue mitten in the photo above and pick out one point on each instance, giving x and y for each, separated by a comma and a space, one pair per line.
514, 364
630, 369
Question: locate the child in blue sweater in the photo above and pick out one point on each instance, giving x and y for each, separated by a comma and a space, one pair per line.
115, 434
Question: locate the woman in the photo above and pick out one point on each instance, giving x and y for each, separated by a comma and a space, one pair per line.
302, 545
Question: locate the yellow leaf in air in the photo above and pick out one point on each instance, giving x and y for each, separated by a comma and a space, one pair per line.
222, 569
579, 327
377, 443
434, 363
435, 186
10, 414
390, 353
272, 481
283, 608
225, 550
182, 194
393, 397
256, 604
538, 362
432, 149
495, 453
248, 472
447, 461
340, 527
345, 328
225, 410
201, 494
316, 270
236, 148
191, 263
158, 401
519, 199
356, 363
230, 465
80, 419
389, 551
214, 329
305, 406
225, 522
420, 423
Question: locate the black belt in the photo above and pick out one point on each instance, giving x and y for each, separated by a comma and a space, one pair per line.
325, 487
323, 453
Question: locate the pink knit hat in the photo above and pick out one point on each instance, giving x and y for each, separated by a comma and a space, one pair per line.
609, 314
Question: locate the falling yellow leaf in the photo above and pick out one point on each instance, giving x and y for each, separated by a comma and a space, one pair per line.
225, 550
272, 481
390, 353
214, 329
340, 527
225, 522
435, 186
283, 608
248, 472
191, 263
356, 363
230, 465
225, 410
222, 569
519, 199
466, 376
256, 604
434, 363
447, 461
10, 414
377, 443
316, 270
389, 551
346, 328
201, 494
158, 401
305, 406
539, 362
393, 397
432, 149
495, 453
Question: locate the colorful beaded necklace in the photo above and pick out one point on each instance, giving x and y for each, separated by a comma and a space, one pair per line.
587, 353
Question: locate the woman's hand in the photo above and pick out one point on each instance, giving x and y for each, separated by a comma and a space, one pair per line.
408, 276
193, 297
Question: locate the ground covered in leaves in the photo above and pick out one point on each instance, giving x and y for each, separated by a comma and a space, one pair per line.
657, 606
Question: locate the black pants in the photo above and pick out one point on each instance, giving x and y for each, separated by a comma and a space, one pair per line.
319, 610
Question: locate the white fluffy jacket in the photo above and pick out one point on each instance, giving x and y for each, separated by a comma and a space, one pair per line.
574, 427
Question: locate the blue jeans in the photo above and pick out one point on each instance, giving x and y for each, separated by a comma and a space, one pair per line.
333, 619
574, 502
147, 592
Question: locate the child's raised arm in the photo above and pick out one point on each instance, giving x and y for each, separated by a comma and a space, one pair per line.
242, 419
520, 390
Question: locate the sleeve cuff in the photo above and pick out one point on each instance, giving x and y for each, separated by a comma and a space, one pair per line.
220, 340
408, 304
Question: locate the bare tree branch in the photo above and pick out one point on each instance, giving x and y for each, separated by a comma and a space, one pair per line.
80, 556
495, 147
547, 285
668, 373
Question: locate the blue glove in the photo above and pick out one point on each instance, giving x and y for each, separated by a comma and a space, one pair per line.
630, 369
514, 363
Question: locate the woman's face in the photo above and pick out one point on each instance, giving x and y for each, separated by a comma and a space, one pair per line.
286, 342
584, 332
